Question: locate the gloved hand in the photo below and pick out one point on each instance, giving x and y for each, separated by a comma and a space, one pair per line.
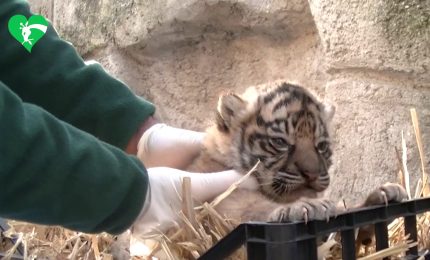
163, 145
163, 201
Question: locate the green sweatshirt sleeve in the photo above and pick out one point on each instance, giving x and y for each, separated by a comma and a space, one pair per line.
54, 77
53, 173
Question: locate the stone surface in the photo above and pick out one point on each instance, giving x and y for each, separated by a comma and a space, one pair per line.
87, 24
44, 7
370, 117
92, 24
369, 58
380, 35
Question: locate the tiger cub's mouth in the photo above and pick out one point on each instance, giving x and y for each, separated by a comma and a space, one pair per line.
317, 185
295, 181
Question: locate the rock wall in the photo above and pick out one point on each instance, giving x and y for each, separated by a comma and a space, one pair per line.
370, 58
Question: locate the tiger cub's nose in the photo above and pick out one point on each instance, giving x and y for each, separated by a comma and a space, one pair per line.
310, 176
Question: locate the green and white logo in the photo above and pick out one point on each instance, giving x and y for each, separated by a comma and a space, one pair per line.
27, 32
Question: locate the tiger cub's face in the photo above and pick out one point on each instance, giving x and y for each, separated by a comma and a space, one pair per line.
285, 128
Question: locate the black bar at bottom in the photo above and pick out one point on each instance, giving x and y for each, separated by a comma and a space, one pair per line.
227, 245
308, 248
256, 251
381, 236
348, 244
411, 229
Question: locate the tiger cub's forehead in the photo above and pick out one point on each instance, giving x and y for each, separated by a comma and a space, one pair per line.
286, 100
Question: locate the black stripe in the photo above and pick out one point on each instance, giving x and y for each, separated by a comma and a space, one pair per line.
297, 94
242, 146
260, 120
282, 103
251, 140
258, 155
257, 173
306, 100
324, 132
263, 146
313, 123
269, 97
262, 158
277, 122
295, 118
275, 129
291, 179
256, 136
253, 161
285, 87
269, 165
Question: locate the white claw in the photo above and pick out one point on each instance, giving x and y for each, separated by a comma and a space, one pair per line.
305, 215
384, 195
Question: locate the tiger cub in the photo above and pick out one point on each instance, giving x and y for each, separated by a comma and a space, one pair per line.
285, 128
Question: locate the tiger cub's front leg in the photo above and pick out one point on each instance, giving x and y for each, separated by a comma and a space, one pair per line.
304, 209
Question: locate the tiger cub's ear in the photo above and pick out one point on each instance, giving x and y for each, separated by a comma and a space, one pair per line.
329, 111
230, 106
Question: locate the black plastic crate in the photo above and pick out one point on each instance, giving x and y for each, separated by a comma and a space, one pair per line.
299, 240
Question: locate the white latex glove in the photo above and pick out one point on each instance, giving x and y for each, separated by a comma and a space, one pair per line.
163, 200
163, 145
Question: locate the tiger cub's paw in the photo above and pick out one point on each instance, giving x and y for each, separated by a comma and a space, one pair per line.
304, 210
389, 192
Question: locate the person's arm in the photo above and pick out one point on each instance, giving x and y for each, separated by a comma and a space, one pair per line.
54, 77
53, 173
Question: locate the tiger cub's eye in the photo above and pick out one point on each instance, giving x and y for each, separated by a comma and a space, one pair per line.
322, 147
280, 143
